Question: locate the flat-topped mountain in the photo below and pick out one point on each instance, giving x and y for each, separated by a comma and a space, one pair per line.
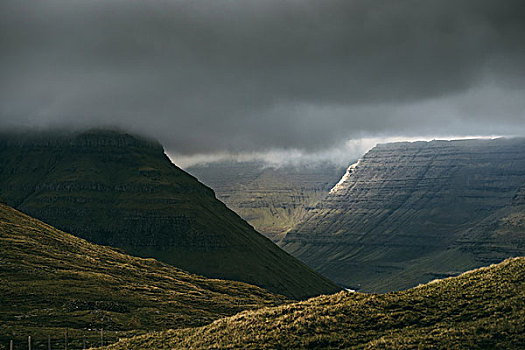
51, 280
407, 213
120, 190
272, 199
481, 309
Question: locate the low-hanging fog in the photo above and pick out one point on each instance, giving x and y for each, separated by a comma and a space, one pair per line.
265, 79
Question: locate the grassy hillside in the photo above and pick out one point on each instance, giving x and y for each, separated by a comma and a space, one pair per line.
272, 199
50, 280
481, 309
116, 189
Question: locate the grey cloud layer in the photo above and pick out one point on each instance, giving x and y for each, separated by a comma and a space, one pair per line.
208, 76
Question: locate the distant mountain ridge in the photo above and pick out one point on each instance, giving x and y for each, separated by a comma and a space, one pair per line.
271, 198
121, 190
412, 212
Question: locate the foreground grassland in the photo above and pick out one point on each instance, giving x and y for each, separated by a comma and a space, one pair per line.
50, 281
484, 308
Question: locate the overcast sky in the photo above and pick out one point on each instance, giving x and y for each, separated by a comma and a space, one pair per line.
221, 76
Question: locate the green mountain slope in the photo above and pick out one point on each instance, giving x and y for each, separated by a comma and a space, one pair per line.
116, 189
272, 199
408, 213
51, 280
481, 309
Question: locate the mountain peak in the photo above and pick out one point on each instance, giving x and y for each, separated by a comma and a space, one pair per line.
116, 189
106, 138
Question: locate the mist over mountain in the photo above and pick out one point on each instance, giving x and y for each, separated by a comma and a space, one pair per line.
288, 149
207, 77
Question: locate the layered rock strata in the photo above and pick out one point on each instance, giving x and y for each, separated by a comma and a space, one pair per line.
411, 212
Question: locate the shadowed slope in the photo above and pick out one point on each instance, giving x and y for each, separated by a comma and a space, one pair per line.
272, 199
115, 189
51, 280
484, 308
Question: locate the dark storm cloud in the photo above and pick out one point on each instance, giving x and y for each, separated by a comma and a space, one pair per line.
208, 76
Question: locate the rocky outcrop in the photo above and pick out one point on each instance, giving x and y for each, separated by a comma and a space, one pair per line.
120, 190
272, 199
411, 212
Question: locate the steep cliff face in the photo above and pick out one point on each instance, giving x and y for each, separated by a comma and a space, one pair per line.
272, 199
115, 189
410, 212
